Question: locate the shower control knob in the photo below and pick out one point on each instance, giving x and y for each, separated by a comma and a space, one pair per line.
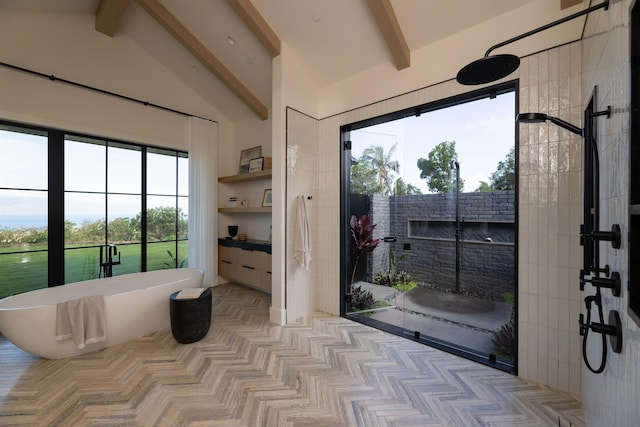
612, 283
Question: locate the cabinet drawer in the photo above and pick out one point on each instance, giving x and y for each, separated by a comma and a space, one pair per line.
225, 253
244, 257
263, 261
264, 280
251, 267
226, 268
247, 274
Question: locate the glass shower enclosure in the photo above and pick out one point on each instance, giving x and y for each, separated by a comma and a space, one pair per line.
431, 236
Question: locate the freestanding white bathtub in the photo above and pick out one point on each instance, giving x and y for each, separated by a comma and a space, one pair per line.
136, 305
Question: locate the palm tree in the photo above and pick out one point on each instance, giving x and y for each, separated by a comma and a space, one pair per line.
383, 165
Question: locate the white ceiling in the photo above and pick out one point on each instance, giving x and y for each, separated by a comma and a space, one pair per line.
341, 41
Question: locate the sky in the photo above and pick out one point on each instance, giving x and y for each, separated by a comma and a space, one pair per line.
483, 130
23, 165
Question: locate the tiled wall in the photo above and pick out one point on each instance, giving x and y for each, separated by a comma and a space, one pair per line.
611, 398
549, 213
302, 180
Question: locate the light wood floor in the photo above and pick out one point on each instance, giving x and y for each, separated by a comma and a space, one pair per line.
326, 371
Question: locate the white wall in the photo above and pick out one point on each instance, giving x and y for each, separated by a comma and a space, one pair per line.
67, 46
302, 180
611, 398
550, 214
292, 89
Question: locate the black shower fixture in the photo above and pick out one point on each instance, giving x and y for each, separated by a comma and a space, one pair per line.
541, 117
491, 68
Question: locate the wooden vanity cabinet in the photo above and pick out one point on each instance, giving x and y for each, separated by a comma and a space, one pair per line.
245, 265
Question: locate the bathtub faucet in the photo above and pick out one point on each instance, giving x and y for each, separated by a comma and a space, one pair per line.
107, 263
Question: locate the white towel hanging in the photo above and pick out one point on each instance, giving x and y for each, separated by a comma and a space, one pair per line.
301, 242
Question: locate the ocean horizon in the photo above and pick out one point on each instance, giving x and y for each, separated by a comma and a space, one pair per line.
15, 222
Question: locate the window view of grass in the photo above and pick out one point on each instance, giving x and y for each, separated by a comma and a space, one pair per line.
63, 197
27, 270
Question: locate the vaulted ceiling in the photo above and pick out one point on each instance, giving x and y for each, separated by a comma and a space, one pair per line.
223, 49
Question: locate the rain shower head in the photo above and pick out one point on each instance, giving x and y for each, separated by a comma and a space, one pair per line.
494, 67
488, 69
541, 117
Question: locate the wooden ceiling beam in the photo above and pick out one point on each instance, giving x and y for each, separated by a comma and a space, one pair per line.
109, 14
568, 3
391, 32
170, 23
256, 23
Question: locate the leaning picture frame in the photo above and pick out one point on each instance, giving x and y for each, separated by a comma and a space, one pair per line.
255, 165
266, 198
246, 156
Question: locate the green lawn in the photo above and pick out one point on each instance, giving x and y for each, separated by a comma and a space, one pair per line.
28, 271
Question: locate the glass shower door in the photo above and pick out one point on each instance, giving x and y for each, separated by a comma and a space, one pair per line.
435, 257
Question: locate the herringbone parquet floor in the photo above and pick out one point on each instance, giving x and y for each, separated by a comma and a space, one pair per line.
325, 371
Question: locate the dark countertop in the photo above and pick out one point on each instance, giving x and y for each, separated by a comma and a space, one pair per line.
251, 245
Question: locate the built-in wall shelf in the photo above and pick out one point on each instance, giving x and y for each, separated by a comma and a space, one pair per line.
245, 210
252, 176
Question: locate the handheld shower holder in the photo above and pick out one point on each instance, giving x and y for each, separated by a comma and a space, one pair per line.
613, 329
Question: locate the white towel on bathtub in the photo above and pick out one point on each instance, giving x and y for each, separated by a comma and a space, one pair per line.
82, 319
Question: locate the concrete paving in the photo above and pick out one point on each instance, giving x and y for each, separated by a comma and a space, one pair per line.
459, 319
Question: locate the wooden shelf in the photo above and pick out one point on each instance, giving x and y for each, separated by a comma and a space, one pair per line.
246, 176
245, 210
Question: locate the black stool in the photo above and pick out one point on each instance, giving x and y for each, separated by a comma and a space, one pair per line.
190, 317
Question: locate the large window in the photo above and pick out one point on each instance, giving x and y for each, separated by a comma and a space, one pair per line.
439, 183
23, 209
70, 204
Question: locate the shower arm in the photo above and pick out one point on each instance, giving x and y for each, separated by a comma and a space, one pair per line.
604, 4
541, 117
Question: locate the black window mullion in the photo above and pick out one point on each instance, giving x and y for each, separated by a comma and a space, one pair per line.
106, 194
177, 221
55, 227
143, 213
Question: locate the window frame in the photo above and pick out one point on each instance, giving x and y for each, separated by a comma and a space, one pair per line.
56, 193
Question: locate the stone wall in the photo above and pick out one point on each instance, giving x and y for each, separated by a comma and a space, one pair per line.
424, 226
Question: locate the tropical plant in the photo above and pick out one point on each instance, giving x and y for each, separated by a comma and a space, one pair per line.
504, 178
436, 168
363, 178
400, 280
384, 168
362, 241
361, 299
175, 263
504, 341
405, 189
483, 187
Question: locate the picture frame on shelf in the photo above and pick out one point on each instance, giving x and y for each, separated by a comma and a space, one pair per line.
246, 156
267, 198
255, 165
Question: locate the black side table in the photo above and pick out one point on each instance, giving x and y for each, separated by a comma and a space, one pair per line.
190, 317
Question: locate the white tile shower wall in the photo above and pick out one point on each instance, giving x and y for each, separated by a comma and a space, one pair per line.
549, 212
302, 180
611, 398
550, 204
